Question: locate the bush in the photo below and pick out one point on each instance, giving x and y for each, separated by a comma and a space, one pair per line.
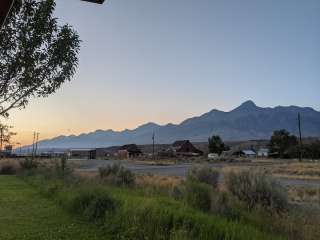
204, 174
177, 193
29, 163
62, 167
224, 204
198, 195
117, 175
8, 169
257, 189
93, 204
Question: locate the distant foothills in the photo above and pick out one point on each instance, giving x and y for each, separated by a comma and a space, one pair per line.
246, 122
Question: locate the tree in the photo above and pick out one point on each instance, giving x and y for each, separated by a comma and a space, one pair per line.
281, 142
5, 135
216, 145
36, 54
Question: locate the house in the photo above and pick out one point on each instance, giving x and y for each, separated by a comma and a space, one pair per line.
185, 148
263, 152
129, 151
105, 153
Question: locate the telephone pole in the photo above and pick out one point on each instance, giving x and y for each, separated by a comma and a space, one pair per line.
34, 139
37, 139
153, 135
300, 137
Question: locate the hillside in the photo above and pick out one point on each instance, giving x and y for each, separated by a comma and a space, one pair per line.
246, 122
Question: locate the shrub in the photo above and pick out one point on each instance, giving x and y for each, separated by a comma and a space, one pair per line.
117, 175
109, 170
8, 169
257, 189
177, 192
204, 174
224, 204
198, 195
51, 188
29, 163
92, 204
62, 167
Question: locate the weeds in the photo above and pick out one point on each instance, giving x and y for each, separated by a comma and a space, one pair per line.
8, 169
204, 174
92, 203
257, 189
198, 195
117, 175
29, 163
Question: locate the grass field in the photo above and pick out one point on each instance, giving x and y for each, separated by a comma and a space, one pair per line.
25, 214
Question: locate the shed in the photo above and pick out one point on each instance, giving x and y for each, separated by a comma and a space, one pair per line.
263, 152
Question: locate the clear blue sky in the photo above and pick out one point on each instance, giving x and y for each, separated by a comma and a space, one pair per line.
164, 61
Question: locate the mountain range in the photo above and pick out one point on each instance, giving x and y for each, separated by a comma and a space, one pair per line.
246, 122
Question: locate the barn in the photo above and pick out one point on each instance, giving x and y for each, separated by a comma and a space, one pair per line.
186, 148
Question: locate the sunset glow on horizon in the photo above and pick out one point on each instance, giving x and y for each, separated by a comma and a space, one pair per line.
166, 61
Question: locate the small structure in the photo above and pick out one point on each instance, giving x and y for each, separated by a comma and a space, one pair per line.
263, 152
249, 153
213, 156
239, 153
129, 151
82, 153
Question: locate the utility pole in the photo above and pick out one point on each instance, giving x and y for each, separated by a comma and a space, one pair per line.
37, 139
300, 137
153, 145
34, 139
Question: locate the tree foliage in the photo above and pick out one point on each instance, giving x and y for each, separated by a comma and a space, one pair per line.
36, 54
281, 142
216, 145
5, 135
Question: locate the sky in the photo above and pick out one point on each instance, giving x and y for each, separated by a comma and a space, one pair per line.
165, 61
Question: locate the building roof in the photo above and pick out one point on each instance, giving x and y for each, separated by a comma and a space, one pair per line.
185, 146
248, 152
130, 148
179, 143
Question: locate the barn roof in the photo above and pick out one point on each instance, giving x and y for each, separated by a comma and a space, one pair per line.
130, 148
179, 143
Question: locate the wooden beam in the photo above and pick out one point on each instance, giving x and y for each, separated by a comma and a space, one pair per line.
5, 6
94, 1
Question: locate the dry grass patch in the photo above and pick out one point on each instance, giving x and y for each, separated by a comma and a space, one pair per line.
159, 181
297, 170
304, 194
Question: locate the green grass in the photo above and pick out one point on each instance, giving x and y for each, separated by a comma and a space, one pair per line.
140, 216
25, 214
33, 211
